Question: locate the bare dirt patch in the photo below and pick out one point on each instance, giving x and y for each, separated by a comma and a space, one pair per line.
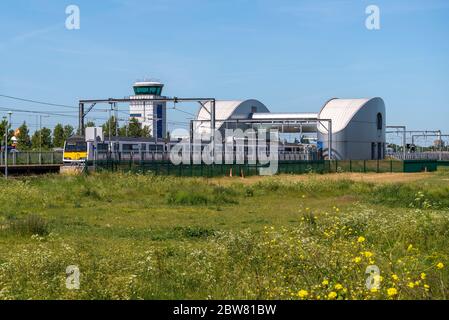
364, 177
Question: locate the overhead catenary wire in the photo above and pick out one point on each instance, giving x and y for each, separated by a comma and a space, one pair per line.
38, 102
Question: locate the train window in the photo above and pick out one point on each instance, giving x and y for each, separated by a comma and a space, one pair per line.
143, 147
130, 147
102, 147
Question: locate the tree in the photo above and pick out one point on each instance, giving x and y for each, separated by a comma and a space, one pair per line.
68, 131
146, 132
23, 137
3, 129
90, 124
111, 123
134, 128
58, 136
41, 139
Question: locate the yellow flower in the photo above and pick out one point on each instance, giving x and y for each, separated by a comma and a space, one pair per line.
367, 254
392, 292
395, 277
325, 282
332, 295
411, 285
426, 287
357, 259
361, 239
338, 286
410, 247
373, 290
440, 265
423, 276
302, 293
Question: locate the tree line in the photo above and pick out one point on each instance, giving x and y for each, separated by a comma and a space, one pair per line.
47, 139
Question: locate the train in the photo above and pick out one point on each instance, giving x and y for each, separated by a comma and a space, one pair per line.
77, 151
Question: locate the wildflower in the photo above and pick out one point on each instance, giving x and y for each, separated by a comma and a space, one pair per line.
361, 239
395, 277
410, 247
338, 286
302, 294
411, 285
440, 265
367, 254
357, 259
426, 287
325, 282
423, 276
392, 292
373, 290
332, 295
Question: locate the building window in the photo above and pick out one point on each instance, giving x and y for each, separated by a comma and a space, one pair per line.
135, 115
379, 121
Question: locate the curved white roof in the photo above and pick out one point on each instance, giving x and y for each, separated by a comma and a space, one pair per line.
227, 109
340, 111
290, 115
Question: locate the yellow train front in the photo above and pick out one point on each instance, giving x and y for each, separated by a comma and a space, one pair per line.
75, 150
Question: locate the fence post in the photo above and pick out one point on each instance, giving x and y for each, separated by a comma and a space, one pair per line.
377, 165
350, 165
391, 166
364, 166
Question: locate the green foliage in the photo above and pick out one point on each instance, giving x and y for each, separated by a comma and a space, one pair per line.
68, 131
139, 236
41, 139
135, 129
23, 138
58, 136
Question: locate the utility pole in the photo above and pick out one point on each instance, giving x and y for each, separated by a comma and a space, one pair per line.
109, 131
8, 124
116, 118
40, 139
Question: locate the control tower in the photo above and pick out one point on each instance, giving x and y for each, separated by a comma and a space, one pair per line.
151, 114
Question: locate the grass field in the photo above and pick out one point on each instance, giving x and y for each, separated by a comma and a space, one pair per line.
283, 237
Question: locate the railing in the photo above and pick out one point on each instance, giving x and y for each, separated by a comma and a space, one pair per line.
31, 158
420, 155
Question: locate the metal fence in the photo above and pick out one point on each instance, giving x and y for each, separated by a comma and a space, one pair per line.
284, 167
444, 155
31, 157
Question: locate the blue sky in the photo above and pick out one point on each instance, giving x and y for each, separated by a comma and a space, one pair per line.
291, 55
